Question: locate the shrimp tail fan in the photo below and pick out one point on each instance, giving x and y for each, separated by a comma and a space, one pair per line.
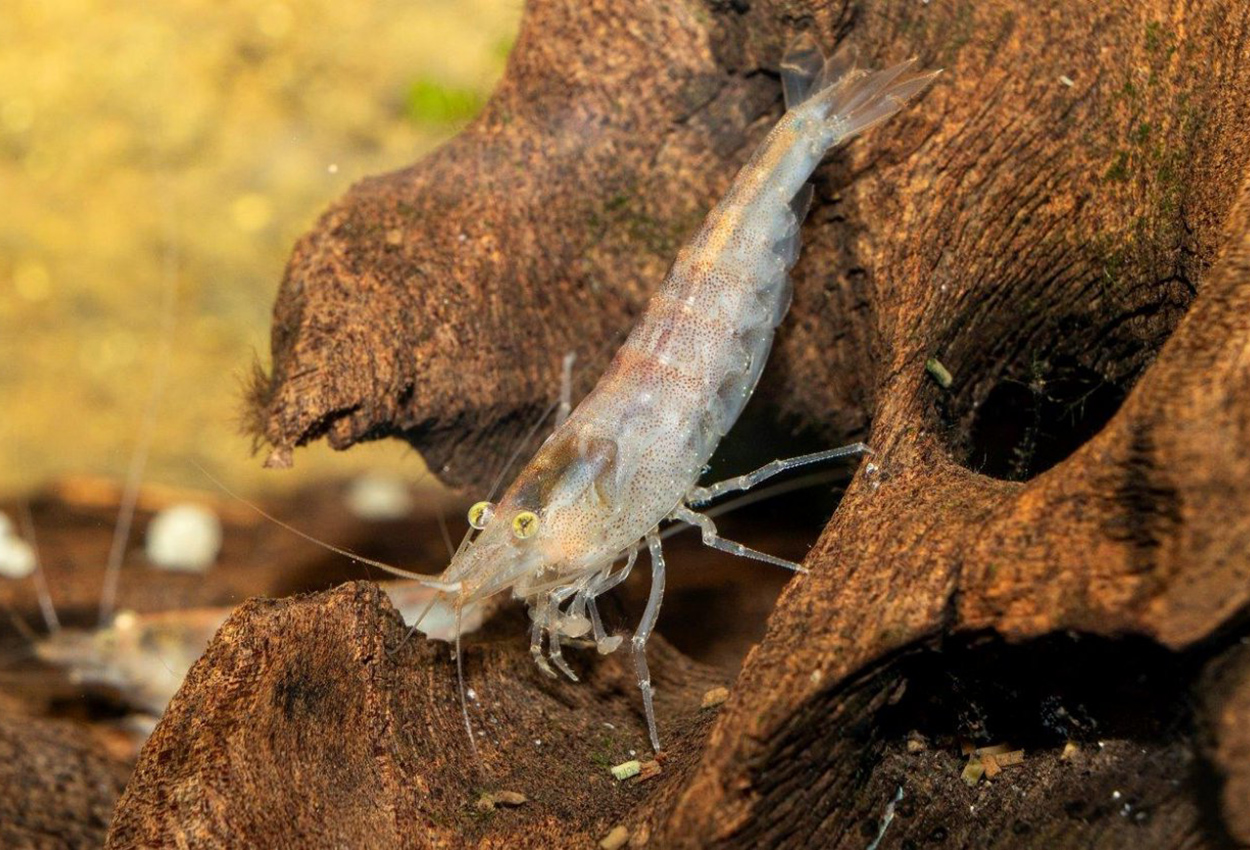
846, 98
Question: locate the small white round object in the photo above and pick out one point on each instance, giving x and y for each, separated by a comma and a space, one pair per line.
378, 497
185, 538
17, 559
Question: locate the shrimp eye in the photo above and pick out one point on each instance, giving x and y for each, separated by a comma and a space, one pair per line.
525, 524
480, 514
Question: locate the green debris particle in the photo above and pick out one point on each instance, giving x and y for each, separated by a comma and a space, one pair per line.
625, 770
939, 372
428, 102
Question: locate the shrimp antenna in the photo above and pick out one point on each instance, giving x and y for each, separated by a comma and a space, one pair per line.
442, 527
412, 630
46, 607
346, 553
529, 435
464, 703
23, 628
568, 369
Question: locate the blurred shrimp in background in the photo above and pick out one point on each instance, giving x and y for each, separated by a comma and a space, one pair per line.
157, 162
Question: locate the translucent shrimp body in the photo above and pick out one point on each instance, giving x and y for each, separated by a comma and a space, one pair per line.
631, 453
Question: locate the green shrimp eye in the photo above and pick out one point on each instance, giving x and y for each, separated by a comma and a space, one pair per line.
480, 514
525, 524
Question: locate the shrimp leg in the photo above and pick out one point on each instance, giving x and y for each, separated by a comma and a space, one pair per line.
713, 539
536, 640
554, 652
566, 388
605, 644
703, 495
557, 655
649, 616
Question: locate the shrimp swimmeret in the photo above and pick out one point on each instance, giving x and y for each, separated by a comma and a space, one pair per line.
629, 456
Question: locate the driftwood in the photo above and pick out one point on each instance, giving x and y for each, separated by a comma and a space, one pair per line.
60, 785
1031, 293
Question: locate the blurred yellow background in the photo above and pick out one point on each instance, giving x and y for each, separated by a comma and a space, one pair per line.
189, 143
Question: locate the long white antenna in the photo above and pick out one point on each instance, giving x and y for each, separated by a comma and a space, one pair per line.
46, 607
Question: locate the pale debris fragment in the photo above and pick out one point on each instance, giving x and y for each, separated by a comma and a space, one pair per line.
715, 697
1066, 80
626, 769
488, 802
1070, 751
989, 761
1009, 758
616, 839
916, 742
184, 538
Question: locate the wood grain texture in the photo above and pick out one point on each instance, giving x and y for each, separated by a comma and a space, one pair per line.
1063, 223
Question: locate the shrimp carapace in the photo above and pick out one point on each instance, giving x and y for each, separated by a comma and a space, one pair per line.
630, 455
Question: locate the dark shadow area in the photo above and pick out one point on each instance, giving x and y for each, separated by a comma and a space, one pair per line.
1043, 693
1028, 423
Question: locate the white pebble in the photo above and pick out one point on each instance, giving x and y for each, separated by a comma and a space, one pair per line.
186, 538
17, 559
379, 497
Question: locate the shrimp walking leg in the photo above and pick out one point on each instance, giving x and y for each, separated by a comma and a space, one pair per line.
566, 388
703, 495
536, 642
713, 539
603, 642
556, 654
554, 625
647, 624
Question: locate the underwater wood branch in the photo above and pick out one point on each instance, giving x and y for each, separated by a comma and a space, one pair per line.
1058, 224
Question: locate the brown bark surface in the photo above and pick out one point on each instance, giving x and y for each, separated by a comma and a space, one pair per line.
60, 785
1048, 550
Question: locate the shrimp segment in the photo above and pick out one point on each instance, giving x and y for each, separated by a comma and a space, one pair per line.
629, 456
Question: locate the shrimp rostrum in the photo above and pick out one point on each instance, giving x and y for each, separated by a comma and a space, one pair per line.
630, 456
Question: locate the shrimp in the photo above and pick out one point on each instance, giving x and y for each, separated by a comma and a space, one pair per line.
630, 455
